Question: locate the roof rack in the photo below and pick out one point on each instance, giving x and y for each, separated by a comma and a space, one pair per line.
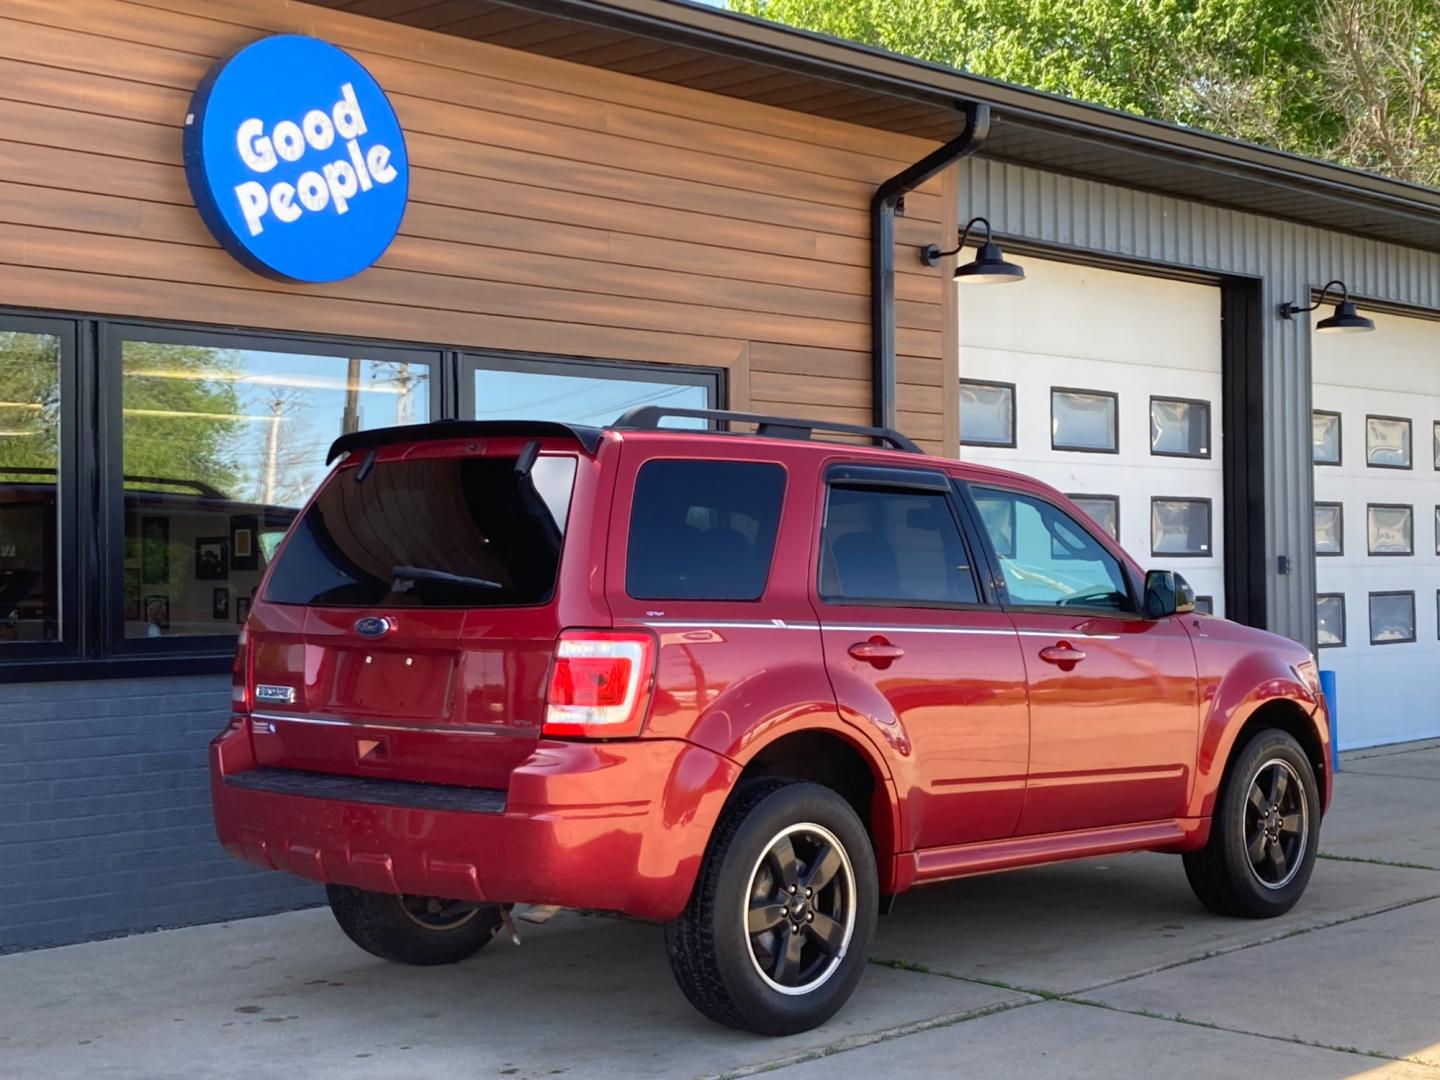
649, 417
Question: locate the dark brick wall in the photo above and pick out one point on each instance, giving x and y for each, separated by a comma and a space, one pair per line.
105, 823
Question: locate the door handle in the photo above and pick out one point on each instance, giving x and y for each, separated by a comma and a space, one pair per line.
876, 651
1063, 655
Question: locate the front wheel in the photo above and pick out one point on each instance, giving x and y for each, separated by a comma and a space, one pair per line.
1265, 832
776, 933
421, 930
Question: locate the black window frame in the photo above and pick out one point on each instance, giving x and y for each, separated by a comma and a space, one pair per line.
1370, 617
91, 525
1209, 426
1340, 518
1113, 395
1208, 601
1435, 442
1014, 414
1339, 438
1344, 630
1389, 554
1410, 426
996, 576
75, 382
855, 476
1209, 552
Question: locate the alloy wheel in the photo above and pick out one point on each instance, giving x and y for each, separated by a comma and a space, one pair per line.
435, 913
1276, 823
800, 909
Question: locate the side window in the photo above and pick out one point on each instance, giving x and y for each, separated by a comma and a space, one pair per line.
703, 530
1047, 557
893, 546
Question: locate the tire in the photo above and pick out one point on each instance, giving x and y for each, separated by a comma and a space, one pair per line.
1237, 872
716, 961
419, 930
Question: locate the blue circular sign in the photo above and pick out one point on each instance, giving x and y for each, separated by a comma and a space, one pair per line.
296, 160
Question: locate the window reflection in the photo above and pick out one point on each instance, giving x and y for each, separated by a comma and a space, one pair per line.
592, 400
29, 470
221, 447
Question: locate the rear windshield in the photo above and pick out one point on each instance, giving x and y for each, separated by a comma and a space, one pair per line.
445, 532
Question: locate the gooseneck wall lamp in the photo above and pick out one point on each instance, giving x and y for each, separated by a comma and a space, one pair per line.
989, 266
1344, 320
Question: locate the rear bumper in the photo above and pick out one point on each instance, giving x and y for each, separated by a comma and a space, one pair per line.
619, 826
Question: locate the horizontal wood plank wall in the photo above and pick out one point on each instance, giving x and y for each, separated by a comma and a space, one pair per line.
555, 208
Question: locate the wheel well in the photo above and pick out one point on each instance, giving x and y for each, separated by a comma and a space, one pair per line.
829, 760
1293, 720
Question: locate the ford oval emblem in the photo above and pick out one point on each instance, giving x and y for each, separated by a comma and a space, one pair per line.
373, 626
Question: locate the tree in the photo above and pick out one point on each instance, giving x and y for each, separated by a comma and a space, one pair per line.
1349, 80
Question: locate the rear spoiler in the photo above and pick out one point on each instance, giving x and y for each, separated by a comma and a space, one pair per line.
588, 437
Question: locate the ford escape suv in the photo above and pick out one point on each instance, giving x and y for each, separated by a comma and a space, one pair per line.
750, 686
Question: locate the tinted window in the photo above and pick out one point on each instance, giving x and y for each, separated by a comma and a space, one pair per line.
1047, 557
703, 530
883, 544
391, 540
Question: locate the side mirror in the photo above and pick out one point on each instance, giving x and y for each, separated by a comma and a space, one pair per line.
1167, 593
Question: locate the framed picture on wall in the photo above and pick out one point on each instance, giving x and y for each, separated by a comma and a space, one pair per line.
220, 603
154, 550
157, 614
212, 561
244, 542
242, 609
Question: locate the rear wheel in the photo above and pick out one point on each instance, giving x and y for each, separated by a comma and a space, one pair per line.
421, 930
1265, 832
776, 933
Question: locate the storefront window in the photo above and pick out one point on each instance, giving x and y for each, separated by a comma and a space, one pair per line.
221, 446
591, 394
29, 485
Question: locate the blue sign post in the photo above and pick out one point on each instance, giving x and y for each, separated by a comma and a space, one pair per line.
296, 160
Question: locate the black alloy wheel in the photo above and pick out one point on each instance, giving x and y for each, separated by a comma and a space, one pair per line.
801, 910
1276, 823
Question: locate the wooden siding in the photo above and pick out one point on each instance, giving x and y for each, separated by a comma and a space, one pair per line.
555, 208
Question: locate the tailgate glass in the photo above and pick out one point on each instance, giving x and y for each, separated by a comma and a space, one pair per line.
433, 533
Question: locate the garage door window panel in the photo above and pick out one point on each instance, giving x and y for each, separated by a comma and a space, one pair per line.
1103, 510
1390, 529
1387, 442
1435, 435
894, 546
1330, 620
1084, 420
1027, 532
1205, 605
1179, 427
1329, 529
1392, 618
987, 413
1180, 528
1325, 434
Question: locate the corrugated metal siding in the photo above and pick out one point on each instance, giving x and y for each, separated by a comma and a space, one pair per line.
1119, 223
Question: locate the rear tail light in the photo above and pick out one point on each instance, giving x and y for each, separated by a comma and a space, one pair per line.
600, 684
240, 674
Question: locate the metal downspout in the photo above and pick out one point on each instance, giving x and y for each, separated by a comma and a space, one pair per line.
884, 205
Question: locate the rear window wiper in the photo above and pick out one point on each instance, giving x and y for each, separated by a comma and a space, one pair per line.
411, 574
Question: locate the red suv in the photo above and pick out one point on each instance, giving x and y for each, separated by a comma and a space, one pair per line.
751, 686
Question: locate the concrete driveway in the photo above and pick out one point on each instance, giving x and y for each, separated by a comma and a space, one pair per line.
1100, 969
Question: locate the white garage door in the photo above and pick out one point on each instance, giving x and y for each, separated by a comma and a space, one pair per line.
1377, 507
1107, 386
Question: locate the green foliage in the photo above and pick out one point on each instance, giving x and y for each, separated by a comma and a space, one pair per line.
1349, 80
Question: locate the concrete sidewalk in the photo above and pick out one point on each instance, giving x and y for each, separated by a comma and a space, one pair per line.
1098, 969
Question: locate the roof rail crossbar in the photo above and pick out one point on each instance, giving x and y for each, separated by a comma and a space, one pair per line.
650, 418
